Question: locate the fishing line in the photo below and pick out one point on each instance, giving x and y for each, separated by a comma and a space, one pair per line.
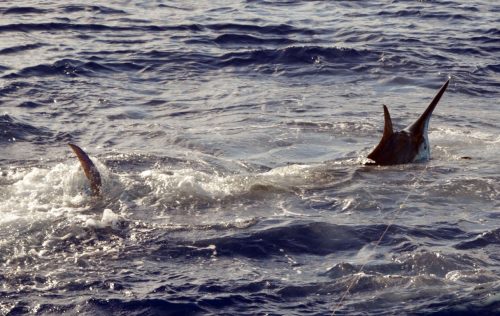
402, 205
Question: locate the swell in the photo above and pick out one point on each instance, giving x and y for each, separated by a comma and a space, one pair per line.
422, 14
110, 306
92, 27
244, 39
13, 130
295, 55
481, 240
21, 10
289, 55
173, 61
65, 67
20, 48
313, 238
281, 29
91, 8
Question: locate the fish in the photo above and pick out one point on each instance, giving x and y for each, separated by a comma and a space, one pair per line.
408, 145
90, 170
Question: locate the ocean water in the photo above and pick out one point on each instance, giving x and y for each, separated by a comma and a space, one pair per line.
231, 137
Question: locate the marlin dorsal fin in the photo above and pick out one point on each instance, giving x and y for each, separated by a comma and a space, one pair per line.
388, 131
379, 152
89, 169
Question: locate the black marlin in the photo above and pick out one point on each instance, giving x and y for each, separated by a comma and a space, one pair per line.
89, 169
408, 145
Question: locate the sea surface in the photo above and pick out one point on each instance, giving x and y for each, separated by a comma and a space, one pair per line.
231, 137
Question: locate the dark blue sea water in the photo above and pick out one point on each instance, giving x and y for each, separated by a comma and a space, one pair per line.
231, 137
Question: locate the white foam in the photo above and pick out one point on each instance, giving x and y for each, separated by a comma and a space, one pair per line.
192, 184
41, 193
108, 219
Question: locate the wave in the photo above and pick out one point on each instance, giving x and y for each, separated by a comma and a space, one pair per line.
63, 9
91, 8
13, 87
66, 67
274, 29
134, 306
23, 10
279, 29
56, 26
14, 130
292, 56
197, 62
282, 29
481, 240
422, 14
315, 238
244, 39
20, 48
30, 105
93, 27
110, 306
296, 55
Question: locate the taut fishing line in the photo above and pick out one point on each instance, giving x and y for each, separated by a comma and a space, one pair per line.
402, 205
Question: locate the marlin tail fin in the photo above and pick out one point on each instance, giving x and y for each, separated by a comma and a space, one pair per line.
89, 169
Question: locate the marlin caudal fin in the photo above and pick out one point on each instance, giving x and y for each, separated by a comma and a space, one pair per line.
422, 123
89, 169
408, 145
378, 152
